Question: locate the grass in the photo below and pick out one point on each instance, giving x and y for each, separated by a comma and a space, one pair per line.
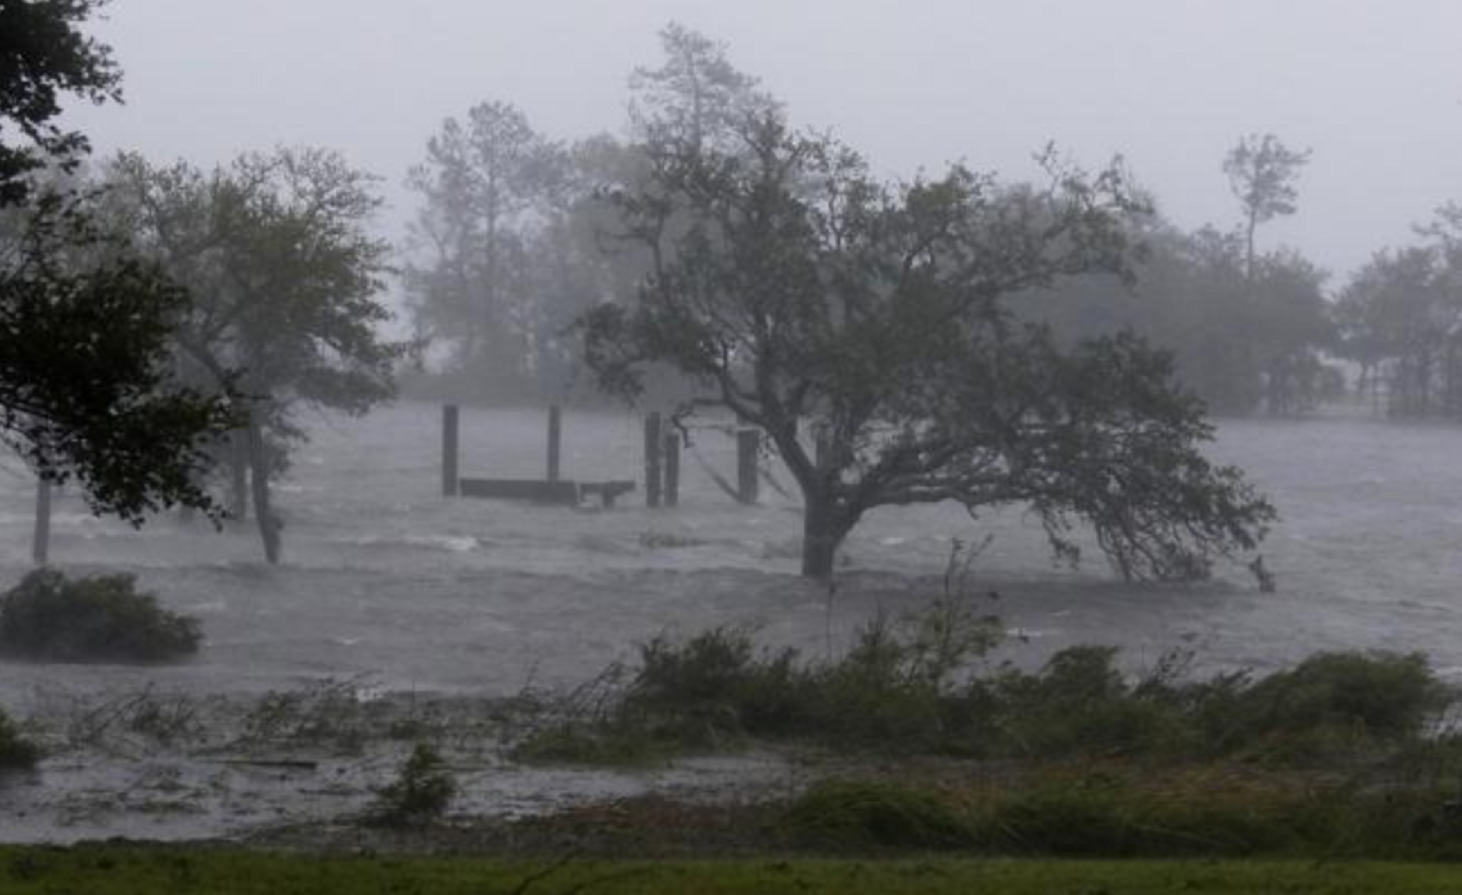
119, 869
1122, 811
49, 617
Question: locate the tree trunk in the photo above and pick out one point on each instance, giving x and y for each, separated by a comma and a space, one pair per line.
822, 533
259, 479
238, 467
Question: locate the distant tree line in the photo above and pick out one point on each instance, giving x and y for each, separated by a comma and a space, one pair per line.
512, 243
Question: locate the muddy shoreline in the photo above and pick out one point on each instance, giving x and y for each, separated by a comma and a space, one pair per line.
150, 765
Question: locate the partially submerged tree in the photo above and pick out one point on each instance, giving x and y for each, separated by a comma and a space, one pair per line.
1401, 318
285, 284
85, 386
863, 327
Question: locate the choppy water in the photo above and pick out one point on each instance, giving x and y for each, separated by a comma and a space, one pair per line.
384, 577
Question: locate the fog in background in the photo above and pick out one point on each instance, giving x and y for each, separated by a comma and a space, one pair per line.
1374, 87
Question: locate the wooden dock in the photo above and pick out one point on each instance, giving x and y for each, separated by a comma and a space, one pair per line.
561, 492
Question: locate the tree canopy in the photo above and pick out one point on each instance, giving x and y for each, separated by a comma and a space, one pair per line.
85, 385
285, 283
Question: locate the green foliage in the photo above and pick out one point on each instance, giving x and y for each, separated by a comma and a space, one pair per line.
716, 689
284, 280
104, 410
1335, 702
1330, 706
861, 814
84, 353
100, 618
46, 55
917, 685
420, 794
16, 752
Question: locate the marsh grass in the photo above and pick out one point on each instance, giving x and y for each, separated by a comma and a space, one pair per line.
1124, 811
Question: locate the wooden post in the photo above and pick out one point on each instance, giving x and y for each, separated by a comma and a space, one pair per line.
748, 446
672, 468
653, 445
555, 433
449, 450
40, 545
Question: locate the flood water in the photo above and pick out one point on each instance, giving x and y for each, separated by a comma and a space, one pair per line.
384, 577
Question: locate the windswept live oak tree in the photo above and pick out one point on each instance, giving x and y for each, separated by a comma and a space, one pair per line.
86, 391
862, 326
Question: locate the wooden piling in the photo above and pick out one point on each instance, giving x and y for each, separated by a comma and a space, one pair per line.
40, 545
672, 468
653, 445
748, 446
555, 433
450, 431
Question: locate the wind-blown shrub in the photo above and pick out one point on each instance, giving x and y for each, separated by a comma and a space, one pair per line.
101, 618
918, 686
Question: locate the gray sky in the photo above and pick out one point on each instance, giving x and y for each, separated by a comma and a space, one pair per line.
1374, 87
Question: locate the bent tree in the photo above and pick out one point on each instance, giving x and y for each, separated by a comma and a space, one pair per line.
865, 327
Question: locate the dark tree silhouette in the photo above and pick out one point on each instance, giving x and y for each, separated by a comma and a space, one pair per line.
84, 324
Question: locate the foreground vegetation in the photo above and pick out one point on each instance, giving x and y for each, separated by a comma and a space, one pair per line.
117, 869
102, 618
912, 742
922, 685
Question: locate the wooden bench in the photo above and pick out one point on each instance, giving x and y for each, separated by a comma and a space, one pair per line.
562, 492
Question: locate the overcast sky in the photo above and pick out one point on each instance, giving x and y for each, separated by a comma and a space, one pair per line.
1373, 87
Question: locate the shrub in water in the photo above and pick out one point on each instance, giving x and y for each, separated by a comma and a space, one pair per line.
101, 618
420, 794
15, 750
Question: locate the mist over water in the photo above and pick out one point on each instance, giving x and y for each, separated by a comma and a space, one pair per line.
386, 579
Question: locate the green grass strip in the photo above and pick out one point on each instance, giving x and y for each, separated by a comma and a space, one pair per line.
143, 870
